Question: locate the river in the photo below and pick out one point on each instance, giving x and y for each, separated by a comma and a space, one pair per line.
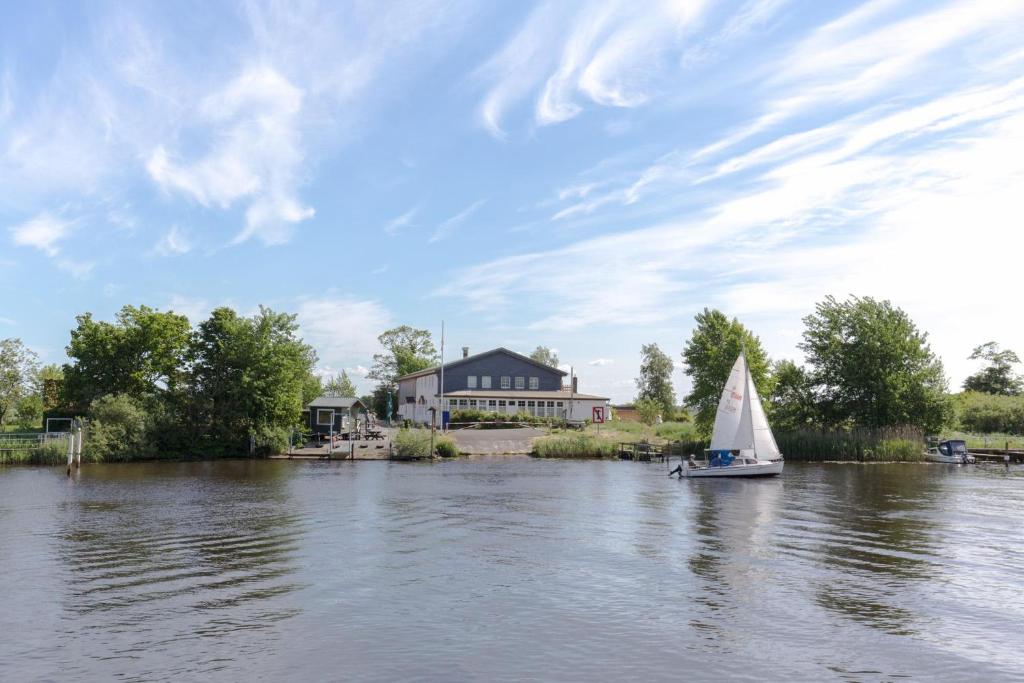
509, 568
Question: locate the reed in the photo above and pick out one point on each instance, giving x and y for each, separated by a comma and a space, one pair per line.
889, 444
573, 446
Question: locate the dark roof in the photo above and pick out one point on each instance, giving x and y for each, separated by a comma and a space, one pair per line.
334, 402
500, 349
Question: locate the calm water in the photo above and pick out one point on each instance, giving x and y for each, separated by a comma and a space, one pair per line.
509, 569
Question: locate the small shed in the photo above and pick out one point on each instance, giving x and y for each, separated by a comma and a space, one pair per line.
325, 414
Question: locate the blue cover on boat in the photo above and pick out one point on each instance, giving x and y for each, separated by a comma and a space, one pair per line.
721, 458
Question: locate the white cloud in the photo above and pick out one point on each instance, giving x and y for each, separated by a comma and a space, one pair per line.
448, 227
601, 362
607, 52
42, 232
343, 329
396, 224
257, 155
173, 243
79, 269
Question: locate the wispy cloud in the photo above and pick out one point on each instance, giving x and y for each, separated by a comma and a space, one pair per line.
605, 52
43, 232
395, 225
447, 227
343, 329
173, 243
601, 362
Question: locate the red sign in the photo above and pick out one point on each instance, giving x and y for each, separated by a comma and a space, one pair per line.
598, 414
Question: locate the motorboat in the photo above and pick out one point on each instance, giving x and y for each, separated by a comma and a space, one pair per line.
950, 452
742, 444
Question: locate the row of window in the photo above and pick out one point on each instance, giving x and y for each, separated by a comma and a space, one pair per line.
506, 382
498, 403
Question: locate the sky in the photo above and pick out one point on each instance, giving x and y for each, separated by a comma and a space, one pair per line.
583, 175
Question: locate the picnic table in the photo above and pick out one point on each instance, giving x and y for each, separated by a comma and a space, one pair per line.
375, 434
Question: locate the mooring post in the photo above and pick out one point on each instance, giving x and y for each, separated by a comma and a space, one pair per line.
71, 450
78, 448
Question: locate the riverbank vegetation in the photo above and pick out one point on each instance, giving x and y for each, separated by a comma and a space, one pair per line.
573, 446
415, 443
150, 385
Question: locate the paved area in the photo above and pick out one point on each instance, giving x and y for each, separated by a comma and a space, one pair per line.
495, 441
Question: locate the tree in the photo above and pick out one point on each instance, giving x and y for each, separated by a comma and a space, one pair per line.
18, 367
870, 366
998, 377
543, 354
340, 385
141, 354
648, 410
50, 381
708, 358
655, 380
406, 350
250, 377
29, 411
792, 403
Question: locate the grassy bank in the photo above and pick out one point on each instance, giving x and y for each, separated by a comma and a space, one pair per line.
415, 443
54, 453
994, 440
621, 430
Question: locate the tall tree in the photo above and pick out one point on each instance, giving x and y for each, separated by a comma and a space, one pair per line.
340, 385
792, 404
250, 375
997, 377
655, 380
50, 385
142, 353
871, 366
543, 354
708, 358
406, 350
18, 367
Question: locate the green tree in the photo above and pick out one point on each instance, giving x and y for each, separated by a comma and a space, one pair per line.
340, 385
406, 350
648, 410
655, 380
50, 380
871, 366
250, 377
18, 367
792, 403
29, 411
142, 353
998, 376
708, 358
543, 354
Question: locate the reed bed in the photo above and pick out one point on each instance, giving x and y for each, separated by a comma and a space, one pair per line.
573, 446
889, 444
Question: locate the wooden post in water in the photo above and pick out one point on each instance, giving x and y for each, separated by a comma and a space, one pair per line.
71, 450
78, 448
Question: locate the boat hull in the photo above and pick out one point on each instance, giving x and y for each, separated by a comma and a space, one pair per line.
761, 469
949, 459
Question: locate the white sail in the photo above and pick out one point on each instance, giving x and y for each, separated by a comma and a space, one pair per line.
765, 447
733, 419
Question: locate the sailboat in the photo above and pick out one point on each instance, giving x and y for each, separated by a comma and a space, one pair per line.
742, 444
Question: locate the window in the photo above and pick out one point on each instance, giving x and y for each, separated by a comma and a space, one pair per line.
492, 403
501, 404
324, 418
463, 402
485, 382
472, 403
506, 382
551, 404
471, 382
522, 404
535, 383
559, 404
520, 383
529, 403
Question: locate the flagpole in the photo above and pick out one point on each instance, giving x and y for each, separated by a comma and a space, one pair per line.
442, 375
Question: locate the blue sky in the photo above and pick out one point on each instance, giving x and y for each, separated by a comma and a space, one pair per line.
584, 175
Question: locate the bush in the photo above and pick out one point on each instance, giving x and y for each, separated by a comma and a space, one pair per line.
119, 429
412, 443
573, 446
445, 447
988, 413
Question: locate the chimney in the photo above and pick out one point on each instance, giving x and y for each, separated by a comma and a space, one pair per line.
465, 352
575, 385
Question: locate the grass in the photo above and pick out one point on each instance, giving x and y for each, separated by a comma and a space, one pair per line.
619, 431
415, 443
52, 453
573, 446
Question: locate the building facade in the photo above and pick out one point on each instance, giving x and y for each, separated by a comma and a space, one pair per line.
333, 414
499, 381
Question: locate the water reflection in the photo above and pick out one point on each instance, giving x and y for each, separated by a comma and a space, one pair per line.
178, 555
